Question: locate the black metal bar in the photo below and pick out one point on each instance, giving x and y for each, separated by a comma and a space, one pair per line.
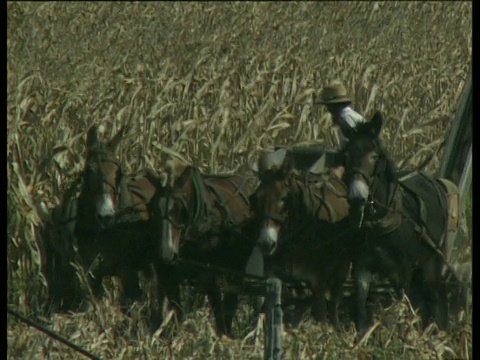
306, 156
459, 139
53, 335
218, 269
273, 320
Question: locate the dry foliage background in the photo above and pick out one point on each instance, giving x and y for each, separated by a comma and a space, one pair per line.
215, 83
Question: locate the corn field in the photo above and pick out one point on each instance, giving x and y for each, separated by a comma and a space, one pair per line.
215, 84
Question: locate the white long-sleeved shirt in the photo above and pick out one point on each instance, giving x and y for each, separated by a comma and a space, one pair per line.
351, 118
348, 119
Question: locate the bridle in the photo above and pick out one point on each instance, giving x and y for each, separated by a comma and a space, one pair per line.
300, 191
101, 158
278, 218
165, 215
200, 206
282, 218
371, 181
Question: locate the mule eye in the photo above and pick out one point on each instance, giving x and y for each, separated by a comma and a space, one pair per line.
179, 211
90, 174
374, 157
118, 176
252, 200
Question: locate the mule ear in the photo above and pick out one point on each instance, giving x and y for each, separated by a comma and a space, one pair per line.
173, 170
338, 172
319, 166
288, 164
183, 178
253, 166
376, 124
170, 173
157, 180
151, 176
163, 179
275, 161
261, 165
92, 137
112, 144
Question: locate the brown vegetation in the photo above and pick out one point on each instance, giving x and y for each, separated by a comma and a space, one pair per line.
215, 83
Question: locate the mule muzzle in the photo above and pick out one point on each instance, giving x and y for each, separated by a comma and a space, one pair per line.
267, 246
169, 257
105, 221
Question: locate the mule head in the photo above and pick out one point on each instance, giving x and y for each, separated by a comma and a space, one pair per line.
102, 175
365, 163
269, 201
173, 201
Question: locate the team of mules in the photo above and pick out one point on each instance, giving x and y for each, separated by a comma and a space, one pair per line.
312, 225
107, 231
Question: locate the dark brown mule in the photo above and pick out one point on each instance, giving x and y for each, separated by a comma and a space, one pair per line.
205, 219
401, 225
303, 221
108, 204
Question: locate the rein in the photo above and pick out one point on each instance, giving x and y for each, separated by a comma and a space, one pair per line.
218, 270
371, 181
101, 159
421, 230
120, 188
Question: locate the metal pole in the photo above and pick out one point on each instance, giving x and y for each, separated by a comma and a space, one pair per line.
460, 137
273, 319
466, 178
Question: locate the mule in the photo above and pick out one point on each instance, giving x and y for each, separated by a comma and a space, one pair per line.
303, 218
401, 221
109, 199
204, 221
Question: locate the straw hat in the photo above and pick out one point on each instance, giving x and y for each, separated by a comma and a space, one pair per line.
334, 94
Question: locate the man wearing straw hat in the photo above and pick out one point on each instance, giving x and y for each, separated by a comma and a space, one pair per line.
335, 98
